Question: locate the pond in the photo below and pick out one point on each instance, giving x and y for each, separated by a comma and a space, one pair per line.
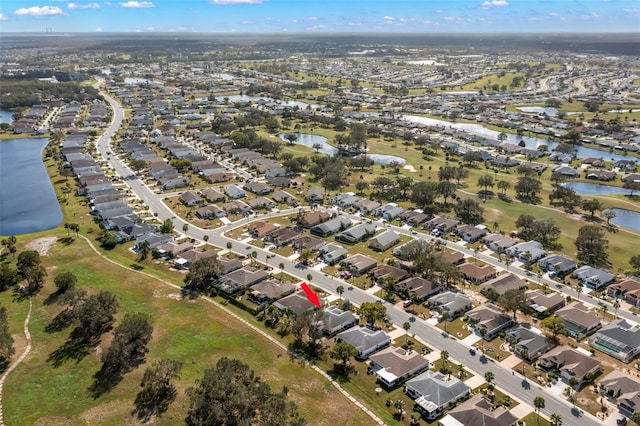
627, 219
310, 140
28, 202
6, 116
530, 142
248, 98
551, 112
584, 188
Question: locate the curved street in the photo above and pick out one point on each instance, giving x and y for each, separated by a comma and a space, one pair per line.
509, 382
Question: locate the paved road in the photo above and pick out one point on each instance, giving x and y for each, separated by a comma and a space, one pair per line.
512, 384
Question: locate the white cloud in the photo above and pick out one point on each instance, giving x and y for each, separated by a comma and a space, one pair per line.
226, 2
98, 30
494, 3
39, 11
2, 17
151, 28
554, 14
83, 6
449, 18
427, 22
137, 4
389, 19
312, 18
634, 10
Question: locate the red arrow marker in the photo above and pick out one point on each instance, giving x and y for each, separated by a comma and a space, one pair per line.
313, 298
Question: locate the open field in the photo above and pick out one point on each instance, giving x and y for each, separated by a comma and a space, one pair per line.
192, 331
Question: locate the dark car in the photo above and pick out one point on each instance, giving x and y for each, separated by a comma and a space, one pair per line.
472, 352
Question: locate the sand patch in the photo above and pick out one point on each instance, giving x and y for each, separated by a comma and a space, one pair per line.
410, 168
42, 245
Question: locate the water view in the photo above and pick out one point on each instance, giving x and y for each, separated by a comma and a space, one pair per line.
249, 98
28, 202
627, 219
310, 140
584, 188
6, 116
531, 142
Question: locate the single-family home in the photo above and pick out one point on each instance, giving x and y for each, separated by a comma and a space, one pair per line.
579, 320
333, 253
336, 320
357, 233
478, 411
476, 274
526, 343
313, 218
260, 229
365, 340
344, 200
234, 191
629, 290
388, 211
359, 264
384, 241
241, 278
441, 223
212, 195
190, 199
392, 366
283, 197
257, 188
260, 203
621, 388
490, 318
498, 242
557, 264
297, 303
331, 226
435, 392
418, 288
384, 272
502, 283
455, 304
284, 235
618, 339
308, 242
543, 304
593, 278
315, 195
414, 217
471, 233
366, 206
269, 290
527, 252
569, 363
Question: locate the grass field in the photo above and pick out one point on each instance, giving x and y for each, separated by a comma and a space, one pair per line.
194, 332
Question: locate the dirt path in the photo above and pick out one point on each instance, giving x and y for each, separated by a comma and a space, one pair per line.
27, 335
347, 395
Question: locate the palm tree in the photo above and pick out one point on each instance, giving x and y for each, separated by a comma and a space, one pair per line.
604, 310
483, 332
445, 317
340, 291
205, 238
579, 290
399, 404
489, 376
144, 248
508, 261
616, 305
538, 403
281, 266
524, 354
445, 356
185, 227
406, 325
502, 136
556, 420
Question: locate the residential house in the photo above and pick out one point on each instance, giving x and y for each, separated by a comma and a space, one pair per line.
435, 392
344, 200
174, 248
618, 339
601, 175
527, 252
503, 283
490, 318
174, 183
336, 320
236, 207
579, 320
384, 272
333, 253
359, 264
315, 195
414, 217
241, 278
527, 343
418, 288
498, 242
621, 388
593, 278
331, 226
234, 191
450, 256
557, 264
269, 290
257, 188
384, 241
442, 223
392, 366
545, 304
570, 363
261, 229
566, 171
366, 206
212, 195
284, 235
471, 233
210, 212
190, 199
308, 242
227, 264
478, 411
297, 303
313, 218
187, 258
629, 290
283, 197
476, 274
455, 304
389, 211
357, 233
260, 203
365, 340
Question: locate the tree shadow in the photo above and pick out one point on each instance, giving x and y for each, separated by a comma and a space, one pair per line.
136, 267
529, 199
52, 298
340, 373
150, 405
59, 322
103, 382
72, 349
67, 240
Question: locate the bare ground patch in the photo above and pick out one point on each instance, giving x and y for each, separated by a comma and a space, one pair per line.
42, 245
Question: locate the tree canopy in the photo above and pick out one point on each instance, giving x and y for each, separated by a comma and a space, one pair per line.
202, 275
592, 246
6, 341
231, 395
157, 390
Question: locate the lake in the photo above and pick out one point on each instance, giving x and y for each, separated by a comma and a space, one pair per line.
6, 116
249, 98
309, 140
530, 142
28, 202
584, 188
627, 219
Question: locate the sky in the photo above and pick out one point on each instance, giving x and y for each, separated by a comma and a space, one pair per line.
295, 16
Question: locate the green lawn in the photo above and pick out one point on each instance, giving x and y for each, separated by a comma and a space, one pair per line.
194, 332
